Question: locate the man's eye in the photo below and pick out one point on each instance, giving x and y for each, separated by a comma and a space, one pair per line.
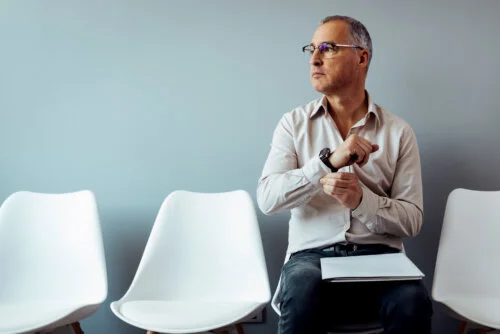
326, 48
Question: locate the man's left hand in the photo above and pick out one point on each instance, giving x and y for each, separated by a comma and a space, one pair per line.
344, 187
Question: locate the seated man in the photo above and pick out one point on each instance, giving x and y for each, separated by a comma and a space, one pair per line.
349, 171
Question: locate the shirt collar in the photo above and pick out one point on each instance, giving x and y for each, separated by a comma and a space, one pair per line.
321, 106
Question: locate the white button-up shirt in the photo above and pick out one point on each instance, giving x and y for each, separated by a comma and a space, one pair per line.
392, 204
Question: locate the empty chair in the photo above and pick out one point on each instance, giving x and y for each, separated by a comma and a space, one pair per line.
467, 273
203, 267
52, 264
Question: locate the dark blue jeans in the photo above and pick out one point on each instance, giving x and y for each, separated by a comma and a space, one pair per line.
310, 305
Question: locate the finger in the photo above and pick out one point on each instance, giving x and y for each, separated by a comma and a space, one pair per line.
361, 153
344, 176
328, 176
356, 153
329, 193
330, 190
336, 183
365, 145
363, 161
369, 146
367, 151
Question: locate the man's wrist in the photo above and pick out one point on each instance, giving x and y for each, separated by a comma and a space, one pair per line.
330, 159
324, 156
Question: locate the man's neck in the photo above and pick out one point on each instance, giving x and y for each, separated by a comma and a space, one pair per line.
347, 108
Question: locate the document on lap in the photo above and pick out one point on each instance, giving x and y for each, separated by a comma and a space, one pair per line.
380, 267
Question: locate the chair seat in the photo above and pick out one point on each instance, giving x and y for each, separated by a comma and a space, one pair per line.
481, 310
24, 316
183, 316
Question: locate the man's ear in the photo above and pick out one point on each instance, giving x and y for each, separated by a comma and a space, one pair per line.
363, 59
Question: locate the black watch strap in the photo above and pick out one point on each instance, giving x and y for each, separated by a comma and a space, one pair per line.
324, 156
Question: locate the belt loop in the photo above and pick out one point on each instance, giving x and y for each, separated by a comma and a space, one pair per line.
354, 247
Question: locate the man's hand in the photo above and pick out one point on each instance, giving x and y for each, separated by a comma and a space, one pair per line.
354, 149
344, 187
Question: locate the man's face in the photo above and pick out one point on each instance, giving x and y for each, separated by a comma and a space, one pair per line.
329, 75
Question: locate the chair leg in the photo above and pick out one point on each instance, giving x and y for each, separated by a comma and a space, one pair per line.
234, 329
463, 327
150, 332
481, 331
239, 329
76, 328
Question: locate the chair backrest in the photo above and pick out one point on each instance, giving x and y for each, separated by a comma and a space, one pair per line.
203, 246
51, 248
467, 261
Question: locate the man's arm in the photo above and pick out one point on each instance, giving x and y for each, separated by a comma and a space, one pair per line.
402, 213
284, 186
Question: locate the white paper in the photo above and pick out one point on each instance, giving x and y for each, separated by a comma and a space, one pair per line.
380, 267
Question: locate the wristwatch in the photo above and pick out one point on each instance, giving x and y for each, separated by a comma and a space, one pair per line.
324, 155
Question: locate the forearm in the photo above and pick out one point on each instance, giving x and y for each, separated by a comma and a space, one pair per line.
280, 191
284, 191
385, 215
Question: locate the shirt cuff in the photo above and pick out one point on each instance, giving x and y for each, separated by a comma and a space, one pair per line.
367, 210
314, 170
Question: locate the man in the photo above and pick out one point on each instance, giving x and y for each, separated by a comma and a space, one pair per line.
349, 171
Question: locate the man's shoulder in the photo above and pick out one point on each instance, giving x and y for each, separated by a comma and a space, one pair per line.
392, 120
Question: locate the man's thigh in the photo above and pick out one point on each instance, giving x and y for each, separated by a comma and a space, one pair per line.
301, 272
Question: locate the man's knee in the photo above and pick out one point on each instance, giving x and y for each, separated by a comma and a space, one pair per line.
410, 301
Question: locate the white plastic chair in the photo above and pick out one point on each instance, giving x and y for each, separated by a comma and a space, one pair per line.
467, 273
364, 328
52, 264
203, 267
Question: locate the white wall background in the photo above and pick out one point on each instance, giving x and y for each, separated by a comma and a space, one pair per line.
135, 99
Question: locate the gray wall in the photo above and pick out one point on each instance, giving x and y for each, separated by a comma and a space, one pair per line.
134, 99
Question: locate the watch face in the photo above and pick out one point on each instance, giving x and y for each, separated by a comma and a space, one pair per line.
324, 153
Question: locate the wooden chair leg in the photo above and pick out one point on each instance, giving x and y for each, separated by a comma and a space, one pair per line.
76, 328
239, 329
151, 332
481, 331
463, 327
234, 329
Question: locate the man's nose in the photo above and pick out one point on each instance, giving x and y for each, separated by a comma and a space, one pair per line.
316, 58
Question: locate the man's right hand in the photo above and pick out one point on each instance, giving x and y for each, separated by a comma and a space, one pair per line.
354, 149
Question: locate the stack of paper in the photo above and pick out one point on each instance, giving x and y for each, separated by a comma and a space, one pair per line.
382, 267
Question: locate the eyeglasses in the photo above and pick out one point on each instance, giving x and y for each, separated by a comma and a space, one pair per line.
327, 49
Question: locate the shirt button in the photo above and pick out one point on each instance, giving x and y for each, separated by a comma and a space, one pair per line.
345, 226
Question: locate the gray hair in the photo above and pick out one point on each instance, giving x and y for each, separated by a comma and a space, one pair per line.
358, 33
